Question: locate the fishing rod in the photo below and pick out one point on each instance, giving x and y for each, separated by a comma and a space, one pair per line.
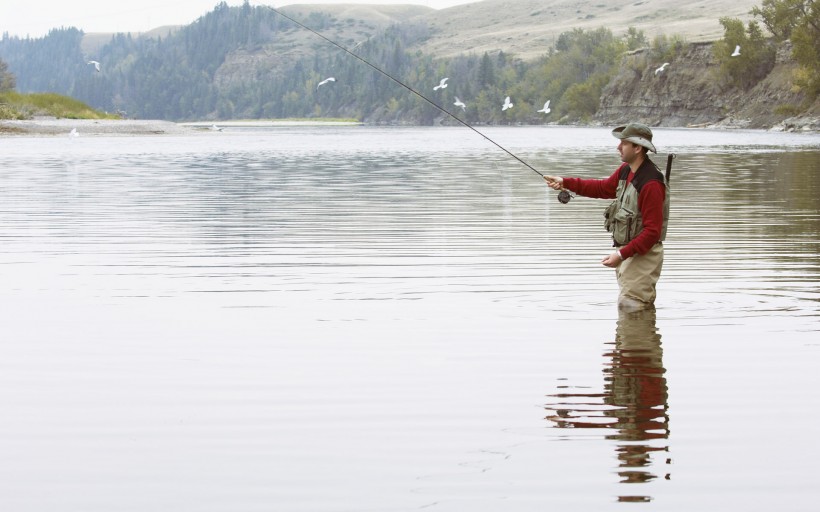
420, 95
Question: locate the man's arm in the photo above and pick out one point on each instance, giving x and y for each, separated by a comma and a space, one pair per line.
598, 189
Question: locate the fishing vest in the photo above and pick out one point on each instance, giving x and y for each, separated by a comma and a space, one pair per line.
623, 217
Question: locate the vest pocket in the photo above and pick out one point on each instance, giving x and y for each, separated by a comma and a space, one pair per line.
622, 222
609, 214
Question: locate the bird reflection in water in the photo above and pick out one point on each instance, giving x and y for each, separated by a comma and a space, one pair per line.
633, 406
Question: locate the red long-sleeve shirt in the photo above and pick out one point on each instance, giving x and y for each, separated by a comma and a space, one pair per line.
650, 202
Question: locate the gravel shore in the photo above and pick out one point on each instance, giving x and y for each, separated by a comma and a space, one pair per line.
86, 127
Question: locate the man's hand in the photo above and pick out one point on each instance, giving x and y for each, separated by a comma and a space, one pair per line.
554, 182
612, 260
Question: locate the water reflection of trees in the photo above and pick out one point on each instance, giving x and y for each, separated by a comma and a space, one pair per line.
633, 406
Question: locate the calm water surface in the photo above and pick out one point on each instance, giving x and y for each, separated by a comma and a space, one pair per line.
391, 319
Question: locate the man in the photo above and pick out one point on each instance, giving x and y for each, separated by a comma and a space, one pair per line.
637, 218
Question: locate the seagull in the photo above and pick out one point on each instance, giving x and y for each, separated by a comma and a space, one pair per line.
96, 65
73, 133
736, 52
546, 108
326, 80
660, 69
507, 104
460, 103
441, 85
215, 128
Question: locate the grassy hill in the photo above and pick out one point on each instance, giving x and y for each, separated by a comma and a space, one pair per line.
525, 28
528, 28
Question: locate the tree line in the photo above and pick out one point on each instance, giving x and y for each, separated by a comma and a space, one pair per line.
183, 76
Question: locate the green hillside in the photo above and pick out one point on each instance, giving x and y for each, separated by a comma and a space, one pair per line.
14, 105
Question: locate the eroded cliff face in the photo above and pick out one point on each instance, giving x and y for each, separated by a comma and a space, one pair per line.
689, 93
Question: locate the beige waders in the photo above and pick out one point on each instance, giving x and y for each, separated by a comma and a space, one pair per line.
638, 277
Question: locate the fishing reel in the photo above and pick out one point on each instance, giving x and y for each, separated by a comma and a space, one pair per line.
564, 196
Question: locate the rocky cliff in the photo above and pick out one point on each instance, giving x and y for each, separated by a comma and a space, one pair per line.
689, 93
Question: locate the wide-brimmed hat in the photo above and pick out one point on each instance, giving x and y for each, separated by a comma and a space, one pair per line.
636, 133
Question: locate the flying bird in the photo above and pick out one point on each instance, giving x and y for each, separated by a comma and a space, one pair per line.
546, 108
215, 128
660, 69
73, 133
326, 80
441, 85
507, 104
736, 52
96, 65
460, 103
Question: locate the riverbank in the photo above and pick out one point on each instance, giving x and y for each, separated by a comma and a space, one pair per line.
691, 93
269, 123
47, 126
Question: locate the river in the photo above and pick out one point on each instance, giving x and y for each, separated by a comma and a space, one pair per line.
386, 319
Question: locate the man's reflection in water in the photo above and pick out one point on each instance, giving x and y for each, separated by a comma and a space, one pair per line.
633, 404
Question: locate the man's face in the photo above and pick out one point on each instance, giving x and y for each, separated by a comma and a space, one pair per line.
629, 151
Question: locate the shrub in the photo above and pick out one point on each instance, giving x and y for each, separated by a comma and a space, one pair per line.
756, 57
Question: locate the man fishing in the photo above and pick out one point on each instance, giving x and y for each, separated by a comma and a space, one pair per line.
637, 218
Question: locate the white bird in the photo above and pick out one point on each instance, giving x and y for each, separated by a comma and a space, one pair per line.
96, 65
546, 108
441, 85
660, 69
460, 103
73, 133
507, 104
215, 128
736, 52
326, 80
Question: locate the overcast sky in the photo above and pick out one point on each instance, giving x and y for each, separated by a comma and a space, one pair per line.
36, 17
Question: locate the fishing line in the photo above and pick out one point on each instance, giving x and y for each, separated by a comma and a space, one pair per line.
420, 95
